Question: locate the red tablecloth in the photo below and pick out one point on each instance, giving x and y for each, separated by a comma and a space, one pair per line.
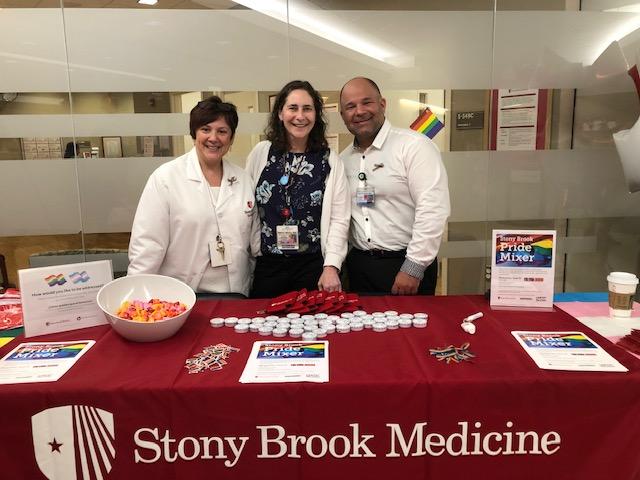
381, 384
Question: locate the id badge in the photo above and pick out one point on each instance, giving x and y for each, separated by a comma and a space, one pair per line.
217, 254
365, 196
287, 237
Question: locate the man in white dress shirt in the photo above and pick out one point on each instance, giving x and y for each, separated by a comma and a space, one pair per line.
400, 198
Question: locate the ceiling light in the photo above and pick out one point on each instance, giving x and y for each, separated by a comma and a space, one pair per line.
147, 2
306, 18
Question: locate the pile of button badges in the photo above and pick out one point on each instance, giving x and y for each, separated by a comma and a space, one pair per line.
313, 327
213, 357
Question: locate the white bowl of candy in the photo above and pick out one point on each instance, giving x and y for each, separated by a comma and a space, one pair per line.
145, 307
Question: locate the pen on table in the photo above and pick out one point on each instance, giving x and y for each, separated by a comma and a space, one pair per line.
473, 317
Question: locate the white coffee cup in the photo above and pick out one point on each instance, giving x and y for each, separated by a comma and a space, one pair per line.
622, 288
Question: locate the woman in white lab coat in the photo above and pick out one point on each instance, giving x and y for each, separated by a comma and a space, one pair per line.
196, 220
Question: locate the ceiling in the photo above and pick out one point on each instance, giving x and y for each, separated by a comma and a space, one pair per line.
396, 5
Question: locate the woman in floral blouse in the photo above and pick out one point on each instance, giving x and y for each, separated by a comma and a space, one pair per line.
302, 197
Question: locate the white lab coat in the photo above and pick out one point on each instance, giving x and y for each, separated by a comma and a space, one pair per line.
175, 221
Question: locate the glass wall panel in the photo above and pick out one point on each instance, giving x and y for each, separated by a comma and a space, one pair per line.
571, 179
96, 94
161, 62
40, 207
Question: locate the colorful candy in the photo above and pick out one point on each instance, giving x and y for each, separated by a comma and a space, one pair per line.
151, 311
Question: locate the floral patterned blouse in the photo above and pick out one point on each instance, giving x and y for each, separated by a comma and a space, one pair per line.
290, 192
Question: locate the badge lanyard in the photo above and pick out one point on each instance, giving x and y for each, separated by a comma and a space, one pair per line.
287, 234
286, 182
365, 196
219, 260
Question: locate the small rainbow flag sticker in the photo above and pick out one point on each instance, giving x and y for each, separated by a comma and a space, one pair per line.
53, 280
427, 123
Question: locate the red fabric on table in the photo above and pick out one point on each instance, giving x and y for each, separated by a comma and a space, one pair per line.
375, 379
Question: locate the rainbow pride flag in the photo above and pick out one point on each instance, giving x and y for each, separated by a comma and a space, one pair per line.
53, 280
427, 123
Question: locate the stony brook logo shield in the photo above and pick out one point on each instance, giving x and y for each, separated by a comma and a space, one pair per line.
74, 442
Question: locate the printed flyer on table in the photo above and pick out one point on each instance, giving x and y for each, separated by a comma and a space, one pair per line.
567, 351
287, 362
41, 361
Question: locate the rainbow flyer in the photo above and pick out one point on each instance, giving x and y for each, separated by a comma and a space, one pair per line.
567, 351
278, 362
523, 269
41, 361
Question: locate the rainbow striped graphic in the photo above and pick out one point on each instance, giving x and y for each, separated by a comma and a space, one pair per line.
557, 340
275, 351
53, 280
314, 350
543, 247
427, 124
49, 351
74, 347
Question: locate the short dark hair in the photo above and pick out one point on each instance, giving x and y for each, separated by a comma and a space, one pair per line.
371, 82
210, 110
277, 134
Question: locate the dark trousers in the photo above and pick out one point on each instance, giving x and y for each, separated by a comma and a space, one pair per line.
278, 274
374, 272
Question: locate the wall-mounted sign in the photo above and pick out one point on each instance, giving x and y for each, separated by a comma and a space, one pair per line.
147, 146
469, 120
518, 119
41, 148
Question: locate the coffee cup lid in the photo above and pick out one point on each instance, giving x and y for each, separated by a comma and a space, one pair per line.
623, 278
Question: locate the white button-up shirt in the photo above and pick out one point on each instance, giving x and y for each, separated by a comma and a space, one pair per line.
411, 194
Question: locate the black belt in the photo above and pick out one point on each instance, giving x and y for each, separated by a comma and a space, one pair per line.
292, 255
381, 253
